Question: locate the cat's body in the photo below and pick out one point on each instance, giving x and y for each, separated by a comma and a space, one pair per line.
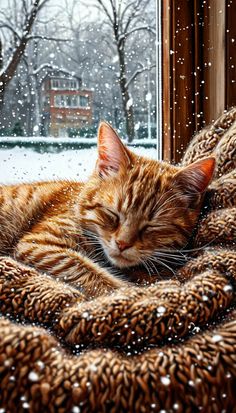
40, 227
131, 211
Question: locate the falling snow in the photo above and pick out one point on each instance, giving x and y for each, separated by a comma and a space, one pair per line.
161, 310
165, 380
76, 409
96, 73
70, 76
33, 376
216, 338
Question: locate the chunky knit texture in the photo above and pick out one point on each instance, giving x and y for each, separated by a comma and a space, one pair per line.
169, 347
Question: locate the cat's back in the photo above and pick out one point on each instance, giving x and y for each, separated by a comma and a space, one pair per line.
23, 205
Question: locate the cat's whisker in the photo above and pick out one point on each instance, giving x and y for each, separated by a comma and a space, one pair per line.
179, 251
97, 250
169, 261
207, 244
171, 257
150, 265
145, 264
169, 252
88, 243
94, 256
148, 260
175, 263
173, 251
116, 273
90, 234
158, 261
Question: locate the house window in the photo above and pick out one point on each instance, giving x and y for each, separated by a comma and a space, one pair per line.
74, 101
64, 84
59, 101
84, 101
72, 85
67, 101
55, 84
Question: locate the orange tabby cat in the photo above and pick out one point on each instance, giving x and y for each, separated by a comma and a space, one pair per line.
131, 211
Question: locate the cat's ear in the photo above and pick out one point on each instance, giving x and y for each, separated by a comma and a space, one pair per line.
112, 154
195, 177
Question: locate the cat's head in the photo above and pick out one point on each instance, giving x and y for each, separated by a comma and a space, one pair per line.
138, 207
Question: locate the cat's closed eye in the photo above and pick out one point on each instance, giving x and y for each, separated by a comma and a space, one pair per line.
146, 228
149, 228
109, 217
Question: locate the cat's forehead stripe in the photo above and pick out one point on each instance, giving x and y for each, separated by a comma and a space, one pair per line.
142, 189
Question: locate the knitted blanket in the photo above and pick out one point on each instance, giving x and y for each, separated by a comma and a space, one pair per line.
167, 347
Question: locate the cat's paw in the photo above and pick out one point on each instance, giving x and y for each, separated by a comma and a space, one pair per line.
105, 283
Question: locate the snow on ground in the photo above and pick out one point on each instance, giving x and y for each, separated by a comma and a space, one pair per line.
19, 165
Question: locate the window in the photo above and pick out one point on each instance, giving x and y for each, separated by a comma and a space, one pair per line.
73, 85
82, 80
67, 101
64, 84
74, 101
55, 84
84, 101
59, 101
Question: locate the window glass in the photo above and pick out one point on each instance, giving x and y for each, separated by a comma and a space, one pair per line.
74, 101
75, 70
84, 101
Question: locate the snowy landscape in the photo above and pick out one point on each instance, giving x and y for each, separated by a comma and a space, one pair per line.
19, 165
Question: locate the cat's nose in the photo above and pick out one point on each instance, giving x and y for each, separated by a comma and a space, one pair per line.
122, 245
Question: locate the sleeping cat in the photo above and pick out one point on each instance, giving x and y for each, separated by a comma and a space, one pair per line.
131, 212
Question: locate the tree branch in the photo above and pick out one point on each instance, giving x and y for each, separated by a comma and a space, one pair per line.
138, 72
132, 15
47, 66
40, 6
4, 25
41, 37
135, 29
9, 72
105, 10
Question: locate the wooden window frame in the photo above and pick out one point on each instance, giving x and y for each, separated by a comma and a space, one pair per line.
198, 68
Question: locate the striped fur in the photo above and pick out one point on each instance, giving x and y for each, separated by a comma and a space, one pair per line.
69, 230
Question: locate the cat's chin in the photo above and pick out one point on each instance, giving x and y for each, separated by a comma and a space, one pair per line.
121, 262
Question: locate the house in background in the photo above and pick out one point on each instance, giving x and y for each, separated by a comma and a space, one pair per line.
66, 106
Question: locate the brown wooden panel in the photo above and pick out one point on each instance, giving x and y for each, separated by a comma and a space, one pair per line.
167, 81
183, 75
230, 53
213, 91
199, 67
178, 76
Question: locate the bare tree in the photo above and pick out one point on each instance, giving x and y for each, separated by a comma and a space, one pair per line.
125, 18
20, 35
